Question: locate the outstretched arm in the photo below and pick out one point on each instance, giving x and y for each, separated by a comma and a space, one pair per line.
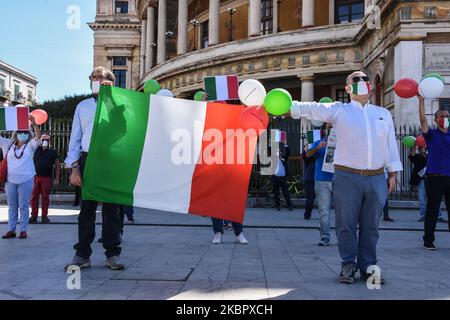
325, 112
423, 120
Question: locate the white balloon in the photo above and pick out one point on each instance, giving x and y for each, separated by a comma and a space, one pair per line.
431, 88
316, 123
165, 93
252, 93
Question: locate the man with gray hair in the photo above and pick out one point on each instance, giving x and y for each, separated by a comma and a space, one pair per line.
80, 137
366, 145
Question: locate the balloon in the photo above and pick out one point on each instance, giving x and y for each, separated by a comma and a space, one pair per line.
431, 88
40, 116
252, 93
198, 96
326, 100
254, 117
278, 102
434, 75
152, 86
165, 93
316, 123
420, 142
409, 141
406, 88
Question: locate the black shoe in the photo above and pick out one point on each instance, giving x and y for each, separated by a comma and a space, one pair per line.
32, 220
100, 240
131, 220
45, 220
307, 216
429, 246
278, 208
348, 273
388, 219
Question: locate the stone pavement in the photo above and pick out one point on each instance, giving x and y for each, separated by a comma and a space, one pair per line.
170, 256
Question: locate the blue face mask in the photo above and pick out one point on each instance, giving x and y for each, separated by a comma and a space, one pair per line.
23, 137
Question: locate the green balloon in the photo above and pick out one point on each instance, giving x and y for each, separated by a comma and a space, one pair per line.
326, 100
199, 95
434, 75
409, 141
278, 102
152, 86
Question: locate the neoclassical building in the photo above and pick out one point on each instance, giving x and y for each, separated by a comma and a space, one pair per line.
307, 47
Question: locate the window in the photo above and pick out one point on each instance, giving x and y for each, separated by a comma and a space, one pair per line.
342, 96
119, 61
121, 78
266, 16
349, 11
2, 87
30, 95
16, 91
121, 6
205, 34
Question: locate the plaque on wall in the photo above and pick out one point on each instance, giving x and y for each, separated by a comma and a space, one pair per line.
437, 58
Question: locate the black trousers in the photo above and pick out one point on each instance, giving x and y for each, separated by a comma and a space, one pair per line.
277, 183
111, 225
217, 225
310, 196
436, 188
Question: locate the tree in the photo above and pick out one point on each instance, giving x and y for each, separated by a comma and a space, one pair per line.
63, 108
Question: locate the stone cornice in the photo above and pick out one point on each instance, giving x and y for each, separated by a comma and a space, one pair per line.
114, 25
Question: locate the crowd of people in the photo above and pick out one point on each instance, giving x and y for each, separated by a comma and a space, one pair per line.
366, 164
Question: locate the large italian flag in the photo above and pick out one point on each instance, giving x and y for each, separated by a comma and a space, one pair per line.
138, 155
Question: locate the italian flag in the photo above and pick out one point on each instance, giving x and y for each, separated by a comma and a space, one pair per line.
136, 156
222, 88
14, 118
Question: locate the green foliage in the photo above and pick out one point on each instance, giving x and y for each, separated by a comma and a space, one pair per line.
63, 108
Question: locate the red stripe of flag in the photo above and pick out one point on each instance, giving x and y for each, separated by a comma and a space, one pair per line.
220, 190
233, 86
22, 118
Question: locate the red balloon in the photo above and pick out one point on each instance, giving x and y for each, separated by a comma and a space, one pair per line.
255, 117
406, 88
40, 116
420, 142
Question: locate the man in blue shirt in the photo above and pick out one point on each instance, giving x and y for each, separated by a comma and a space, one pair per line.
437, 181
323, 187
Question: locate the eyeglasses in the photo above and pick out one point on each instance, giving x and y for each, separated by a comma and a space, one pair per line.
97, 77
363, 78
46, 140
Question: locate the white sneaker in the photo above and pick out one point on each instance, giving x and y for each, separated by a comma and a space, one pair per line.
241, 239
217, 238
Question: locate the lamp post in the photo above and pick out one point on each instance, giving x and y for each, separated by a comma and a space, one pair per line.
231, 11
152, 46
169, 35
194, 23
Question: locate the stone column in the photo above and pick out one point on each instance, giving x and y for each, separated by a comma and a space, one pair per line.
307, 13
143, 48
331, 9
182, 26
275, 16
254, 18
214, 19
307, 88
162, 20
150, 52
408, 64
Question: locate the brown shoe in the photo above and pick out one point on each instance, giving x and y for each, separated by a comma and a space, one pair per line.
23, 235
9, 235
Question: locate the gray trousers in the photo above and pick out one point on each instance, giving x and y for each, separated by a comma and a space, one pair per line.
324, 190
358, 200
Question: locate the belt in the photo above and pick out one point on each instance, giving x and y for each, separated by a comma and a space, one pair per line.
358, 171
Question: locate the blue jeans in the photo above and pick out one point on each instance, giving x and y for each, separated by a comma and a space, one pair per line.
422, 195
324, 193
359, 200
18, 198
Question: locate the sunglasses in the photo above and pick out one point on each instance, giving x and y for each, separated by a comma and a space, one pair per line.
363, 78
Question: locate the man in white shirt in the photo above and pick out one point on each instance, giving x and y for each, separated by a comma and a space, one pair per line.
366, 145
80, 137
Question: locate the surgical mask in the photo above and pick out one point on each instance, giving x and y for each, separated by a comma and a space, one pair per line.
444, 123
360, 88
22, 137
45, 144
95, 86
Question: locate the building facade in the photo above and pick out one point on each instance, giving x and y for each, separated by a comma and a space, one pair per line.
16, 86
307, 47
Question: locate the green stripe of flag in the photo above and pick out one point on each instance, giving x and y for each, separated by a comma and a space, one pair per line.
119, 111
210, 88
2, 119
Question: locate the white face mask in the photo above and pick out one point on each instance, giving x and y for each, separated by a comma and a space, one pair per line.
95, 86
45, 144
